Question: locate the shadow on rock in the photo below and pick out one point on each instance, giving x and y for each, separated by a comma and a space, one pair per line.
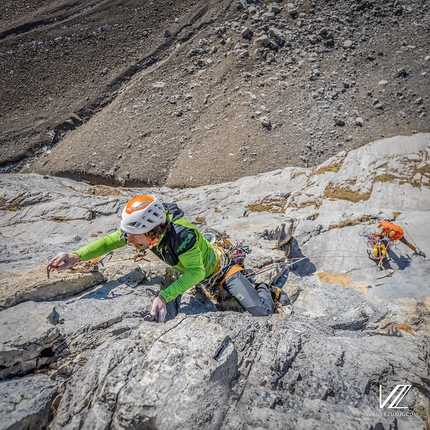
401, 261
302, 265
130, 281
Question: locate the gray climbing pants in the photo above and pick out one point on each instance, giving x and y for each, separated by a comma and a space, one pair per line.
256, 300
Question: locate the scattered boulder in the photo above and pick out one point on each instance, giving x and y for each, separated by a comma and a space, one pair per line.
277, 34
359, 121
265, 121
246, 33
262, 40
274, 8
292, 10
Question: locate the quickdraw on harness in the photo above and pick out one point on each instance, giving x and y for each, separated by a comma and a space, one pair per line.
231, 259
378, 246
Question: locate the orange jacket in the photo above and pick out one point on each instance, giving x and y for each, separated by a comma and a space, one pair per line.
392, 231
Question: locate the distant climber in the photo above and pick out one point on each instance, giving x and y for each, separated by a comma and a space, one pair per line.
393, 232
148, 224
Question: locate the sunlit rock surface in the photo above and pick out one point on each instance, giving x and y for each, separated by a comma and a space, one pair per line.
79, 350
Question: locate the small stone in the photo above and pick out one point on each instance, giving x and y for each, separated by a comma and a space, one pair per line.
419, 101
313, 39
167, 33
359, 121
265, 121
383, 83
277, 34
246, 32
263, 40
292, 10
347, 44
401, 72
268, 15
274, 8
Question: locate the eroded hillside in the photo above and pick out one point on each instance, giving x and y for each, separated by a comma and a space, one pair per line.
152, 93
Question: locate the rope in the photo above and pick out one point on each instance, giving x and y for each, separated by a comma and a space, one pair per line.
232, 253
409, 236
379, 247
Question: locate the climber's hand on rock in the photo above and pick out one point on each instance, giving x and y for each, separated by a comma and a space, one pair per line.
65, 260
159, 308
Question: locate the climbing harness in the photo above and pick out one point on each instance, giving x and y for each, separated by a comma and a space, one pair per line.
378, 246
229, 255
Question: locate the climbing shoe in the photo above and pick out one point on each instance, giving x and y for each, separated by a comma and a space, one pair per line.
282, 277
279, 296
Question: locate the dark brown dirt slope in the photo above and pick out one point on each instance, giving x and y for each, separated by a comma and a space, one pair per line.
157, 92
63, 61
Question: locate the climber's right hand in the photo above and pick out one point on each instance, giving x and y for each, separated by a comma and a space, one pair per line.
64, 260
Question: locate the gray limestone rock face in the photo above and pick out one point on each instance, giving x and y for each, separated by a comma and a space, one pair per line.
26, 402
154, 379
207, 372
336, 355
27, 335
16, 288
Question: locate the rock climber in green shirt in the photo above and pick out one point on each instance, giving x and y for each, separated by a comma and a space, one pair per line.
149, 224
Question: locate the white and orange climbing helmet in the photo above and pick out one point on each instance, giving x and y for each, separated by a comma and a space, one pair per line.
141, 214
392, 233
